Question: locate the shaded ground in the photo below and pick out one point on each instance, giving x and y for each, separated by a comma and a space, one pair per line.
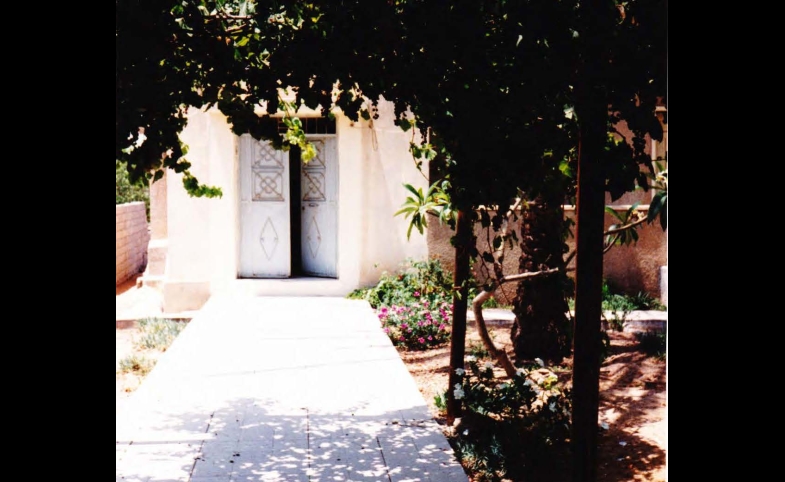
632, 402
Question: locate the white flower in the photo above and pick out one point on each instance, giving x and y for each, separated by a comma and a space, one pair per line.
470, 358
622, 443
488, 365
604, 426
540, 362
460, 371
552, 406
527, 383
521, 372
458, 392
466, 432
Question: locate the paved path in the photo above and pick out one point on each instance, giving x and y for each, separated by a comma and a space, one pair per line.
281, 389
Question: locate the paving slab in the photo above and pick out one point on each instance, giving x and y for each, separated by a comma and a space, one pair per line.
281, 389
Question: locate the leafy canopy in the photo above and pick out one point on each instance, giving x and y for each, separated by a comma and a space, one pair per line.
486, 83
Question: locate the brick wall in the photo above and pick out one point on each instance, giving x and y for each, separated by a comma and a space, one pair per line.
131, 238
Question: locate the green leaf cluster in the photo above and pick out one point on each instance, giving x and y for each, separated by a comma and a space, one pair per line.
434, 202
126, 191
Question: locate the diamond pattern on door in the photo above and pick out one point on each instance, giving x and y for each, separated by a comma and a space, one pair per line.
268, 239
313, 237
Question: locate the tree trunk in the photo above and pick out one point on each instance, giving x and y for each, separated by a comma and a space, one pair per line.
590, 210
463, 240
541, 328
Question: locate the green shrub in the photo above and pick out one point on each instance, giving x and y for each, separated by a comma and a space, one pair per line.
136, 364
414, 282
645, 301
619, 304
492, 302
515, 429
158, 333
125, 192
440, 400
477, 350
614, 299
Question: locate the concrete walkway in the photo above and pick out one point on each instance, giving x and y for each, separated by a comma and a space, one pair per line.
281, 389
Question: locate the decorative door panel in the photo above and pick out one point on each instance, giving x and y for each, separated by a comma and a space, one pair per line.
319, 209
265, 226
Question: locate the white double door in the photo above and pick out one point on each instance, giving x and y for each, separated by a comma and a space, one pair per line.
275, 212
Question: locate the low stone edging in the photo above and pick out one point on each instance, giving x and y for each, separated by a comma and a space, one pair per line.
635, 322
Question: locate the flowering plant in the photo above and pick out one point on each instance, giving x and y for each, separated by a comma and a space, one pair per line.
417, 326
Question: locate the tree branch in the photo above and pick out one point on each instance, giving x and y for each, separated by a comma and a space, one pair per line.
500, 355
534, 274
625, 227
611, 244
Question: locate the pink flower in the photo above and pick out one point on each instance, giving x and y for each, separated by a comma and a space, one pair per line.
402, 338
404, 326
425, 302
442, 326
421, 340
419, 323
386, 330
416, 294
430, 338
384, 309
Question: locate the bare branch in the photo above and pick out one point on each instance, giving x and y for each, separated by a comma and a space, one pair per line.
611, 244
534, 274
625, 227
500, 355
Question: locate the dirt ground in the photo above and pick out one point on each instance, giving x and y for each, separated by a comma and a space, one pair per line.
632, 402
632, 389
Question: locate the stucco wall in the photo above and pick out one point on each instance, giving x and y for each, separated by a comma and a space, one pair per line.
131, 238
204, 234
388, 165
630, 268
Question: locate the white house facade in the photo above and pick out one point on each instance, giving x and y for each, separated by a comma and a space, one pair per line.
284, 227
